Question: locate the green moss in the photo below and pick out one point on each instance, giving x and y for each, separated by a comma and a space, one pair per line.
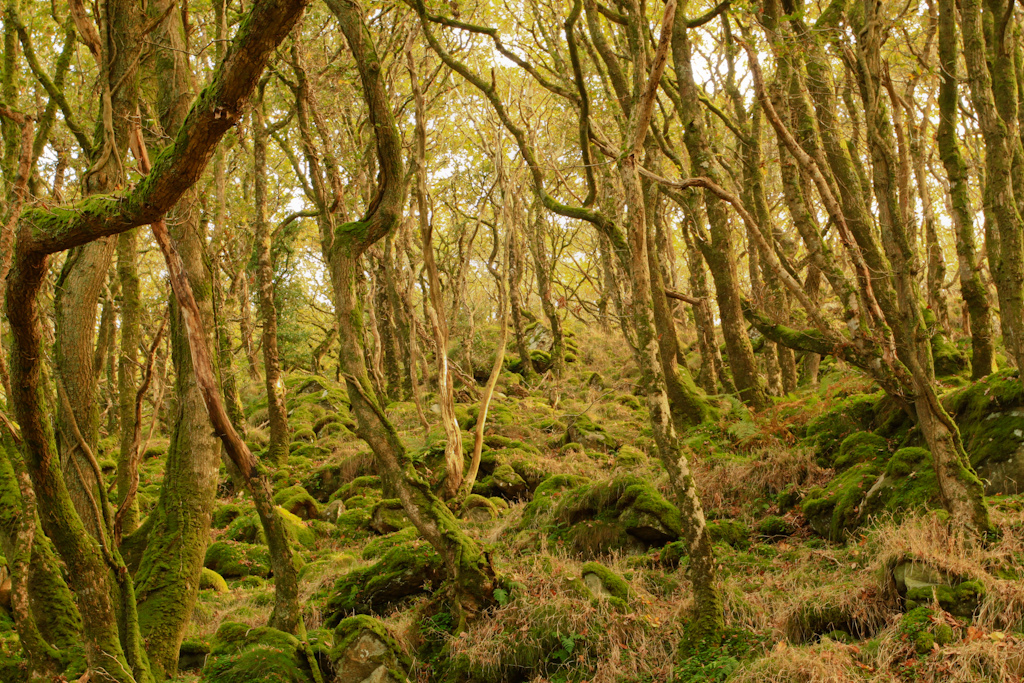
597, 576
296, 500
232, 560
860, 447
225, 514
948, 360
990, 415
353, 525
323, 481
360, 486
774, 526
827, 431
249, 529
243, 654
379, 546
625, 513
404, 570
961, 600
835, 511
211, 580
729, 531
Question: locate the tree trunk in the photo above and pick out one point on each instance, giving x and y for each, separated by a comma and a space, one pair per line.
453, 455
128, 274
277, 451
718, 251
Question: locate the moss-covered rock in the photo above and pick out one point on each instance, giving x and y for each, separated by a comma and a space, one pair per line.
961, 600
249, 529
225, 514
211, 580
388, 516
233, 560
365, 650
408, 569
860, 447
990, 415
729, 531
774, 526
368, 485
192, 654
478, 509
353, 525
604, 583
323, 481
243, 654
296, 500
836, 510
625, 513
855, 413
583, 430
377, 547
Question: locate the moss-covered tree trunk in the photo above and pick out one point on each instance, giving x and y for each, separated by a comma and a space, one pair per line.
517, 265
277, 451
961, 491
434, 301
470, 569
1003, 218
543, 268
708, 621
93, 564
168, 577
128, 274
44, 613
719, 250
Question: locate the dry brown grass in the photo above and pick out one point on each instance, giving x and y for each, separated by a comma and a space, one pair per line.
768, 471
525, 636
827, 662
930, 540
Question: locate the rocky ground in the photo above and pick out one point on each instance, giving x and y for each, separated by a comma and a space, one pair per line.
836, 563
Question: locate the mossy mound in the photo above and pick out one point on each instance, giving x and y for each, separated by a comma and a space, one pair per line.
731, 532
860, 447
510, 473
990, 415
835, 511
583, 430
243, 654
925, 629
225, 514
366, 650
594, 518
408, 569
479, 509
234, 560
323, 481
368, 485
379, 546
249, 529
905, 483
211, 580
961, 600
296, 500
826, 432
388, 516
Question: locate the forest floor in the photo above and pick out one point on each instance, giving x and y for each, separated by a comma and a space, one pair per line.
835, 561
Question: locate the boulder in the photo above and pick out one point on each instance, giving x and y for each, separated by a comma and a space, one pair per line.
365, 651
408, 569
